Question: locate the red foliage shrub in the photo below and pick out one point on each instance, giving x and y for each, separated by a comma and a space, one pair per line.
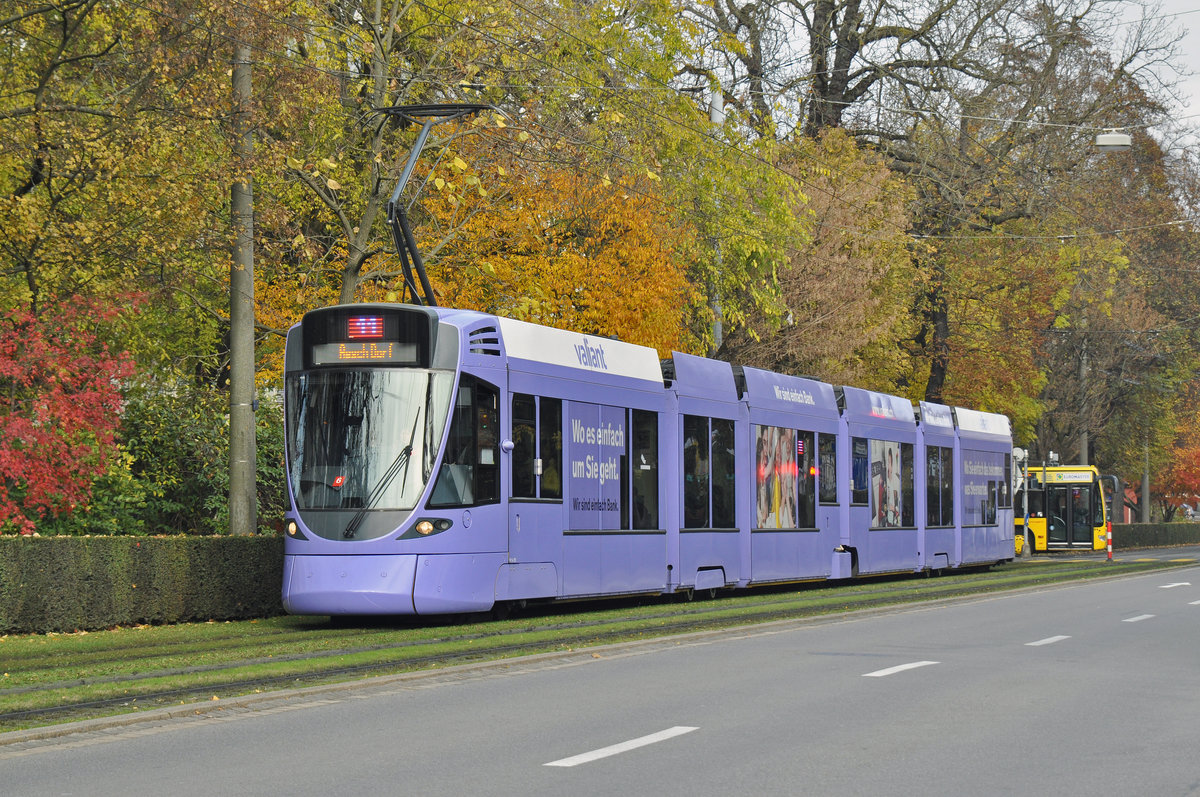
60, 403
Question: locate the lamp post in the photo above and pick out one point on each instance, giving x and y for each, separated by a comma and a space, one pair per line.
1113, 141
1021, 457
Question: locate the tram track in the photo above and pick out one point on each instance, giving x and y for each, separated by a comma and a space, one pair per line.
261, 661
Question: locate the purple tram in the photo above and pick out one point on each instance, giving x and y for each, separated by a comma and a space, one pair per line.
446, 461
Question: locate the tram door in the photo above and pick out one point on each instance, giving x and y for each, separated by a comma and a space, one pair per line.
1070, 517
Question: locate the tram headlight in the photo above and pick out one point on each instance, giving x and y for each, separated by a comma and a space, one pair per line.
425, 527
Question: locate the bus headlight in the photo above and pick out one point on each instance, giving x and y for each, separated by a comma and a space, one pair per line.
425, 527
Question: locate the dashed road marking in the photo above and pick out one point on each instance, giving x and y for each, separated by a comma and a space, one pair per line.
623, 747
1050, 640
898, 668
1137, 619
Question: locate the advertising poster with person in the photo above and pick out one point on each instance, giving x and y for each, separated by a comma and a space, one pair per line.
775, 456
885, 484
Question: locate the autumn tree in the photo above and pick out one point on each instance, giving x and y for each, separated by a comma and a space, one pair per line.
574, 250
845, 292
112, 127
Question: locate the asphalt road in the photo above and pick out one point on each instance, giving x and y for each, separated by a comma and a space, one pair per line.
1085, 689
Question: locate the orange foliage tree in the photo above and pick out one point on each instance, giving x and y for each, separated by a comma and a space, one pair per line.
575, 250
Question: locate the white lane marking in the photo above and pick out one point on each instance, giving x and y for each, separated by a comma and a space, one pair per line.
1194, 603
898, 668
1139, 618
623, 747
1176, 584
1050, 640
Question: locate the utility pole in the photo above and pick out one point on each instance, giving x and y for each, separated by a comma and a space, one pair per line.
1083, 402
243, 503
716, 115
1144, 502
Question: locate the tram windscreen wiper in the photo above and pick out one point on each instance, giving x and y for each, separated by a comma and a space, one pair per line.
399, 464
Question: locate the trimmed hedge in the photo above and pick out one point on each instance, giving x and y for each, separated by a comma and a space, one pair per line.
89, 583
1154, 535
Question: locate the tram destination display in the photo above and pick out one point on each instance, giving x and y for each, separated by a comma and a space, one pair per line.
369, 335
390, 352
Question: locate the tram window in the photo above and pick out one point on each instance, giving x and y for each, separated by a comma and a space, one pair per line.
939, 486
947, 486
537, 447
524, 454
643, 448
695, 472
933, 486
1006, 486
860, 472
470, 464
550, 447
907, 497
806, 488
709, 481
723, 476
827, 468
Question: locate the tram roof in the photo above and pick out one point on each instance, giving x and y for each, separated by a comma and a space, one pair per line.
986, 425
577, 352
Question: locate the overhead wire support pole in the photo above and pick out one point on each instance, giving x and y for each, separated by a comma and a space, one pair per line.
406, 244
243, 498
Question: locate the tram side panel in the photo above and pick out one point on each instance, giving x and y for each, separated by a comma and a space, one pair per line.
791, 499
882, 532
985, 497
536, 515
709, 429
938, 536
594, 524
609, 546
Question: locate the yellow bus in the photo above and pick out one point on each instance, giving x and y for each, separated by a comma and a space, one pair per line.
1066, 509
